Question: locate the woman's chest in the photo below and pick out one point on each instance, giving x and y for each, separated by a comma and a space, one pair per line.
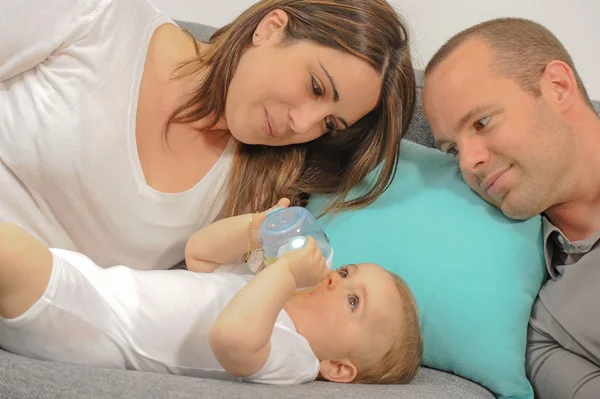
63, 116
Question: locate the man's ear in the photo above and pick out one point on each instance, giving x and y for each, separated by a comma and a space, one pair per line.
338, 370
560, 85
271, 28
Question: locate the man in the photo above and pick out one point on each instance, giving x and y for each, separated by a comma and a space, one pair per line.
505, 98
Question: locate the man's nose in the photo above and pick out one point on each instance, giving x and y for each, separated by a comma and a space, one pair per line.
472, 155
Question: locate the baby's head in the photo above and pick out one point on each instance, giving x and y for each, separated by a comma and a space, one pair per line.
362, 324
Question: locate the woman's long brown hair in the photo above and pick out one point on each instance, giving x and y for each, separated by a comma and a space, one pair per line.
333, 164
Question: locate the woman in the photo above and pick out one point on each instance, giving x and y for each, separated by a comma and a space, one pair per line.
120, 135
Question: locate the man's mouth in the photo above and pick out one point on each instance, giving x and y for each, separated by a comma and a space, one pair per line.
491, 184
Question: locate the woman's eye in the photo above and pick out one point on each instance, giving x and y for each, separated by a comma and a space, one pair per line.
343, 273
329, 126
482, 123
316, 88
353, 302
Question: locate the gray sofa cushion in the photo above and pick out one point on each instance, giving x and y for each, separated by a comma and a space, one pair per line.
22, 378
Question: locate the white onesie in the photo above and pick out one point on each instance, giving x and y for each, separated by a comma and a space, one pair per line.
155, 320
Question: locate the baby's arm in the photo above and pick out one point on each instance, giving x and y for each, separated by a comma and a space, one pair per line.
219, 243
240, 337
224, 241
25, 268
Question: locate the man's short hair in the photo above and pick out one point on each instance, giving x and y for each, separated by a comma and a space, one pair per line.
522, 49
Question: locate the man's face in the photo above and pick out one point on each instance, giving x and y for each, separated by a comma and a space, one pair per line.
513, 148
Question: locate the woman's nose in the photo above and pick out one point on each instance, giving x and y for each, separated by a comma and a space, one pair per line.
306, 118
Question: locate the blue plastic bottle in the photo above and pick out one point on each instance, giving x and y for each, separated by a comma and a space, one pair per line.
286, 229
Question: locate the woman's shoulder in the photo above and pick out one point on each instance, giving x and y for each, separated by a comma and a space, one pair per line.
35, 29
105, 19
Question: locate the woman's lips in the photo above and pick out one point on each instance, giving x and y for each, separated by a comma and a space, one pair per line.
266, 126
269, 124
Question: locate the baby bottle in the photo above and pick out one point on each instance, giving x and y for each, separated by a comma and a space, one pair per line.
287, 229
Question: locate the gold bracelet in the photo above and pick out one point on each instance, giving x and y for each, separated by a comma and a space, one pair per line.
249, 252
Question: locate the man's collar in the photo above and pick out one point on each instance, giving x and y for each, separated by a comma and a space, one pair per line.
549, 228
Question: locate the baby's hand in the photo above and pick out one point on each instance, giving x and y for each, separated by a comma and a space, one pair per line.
260, 217
307, 264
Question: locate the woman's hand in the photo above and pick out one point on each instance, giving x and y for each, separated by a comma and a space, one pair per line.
260, 217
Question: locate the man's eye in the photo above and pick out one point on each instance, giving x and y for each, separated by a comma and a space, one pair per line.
452, 150
353, 302
482, 123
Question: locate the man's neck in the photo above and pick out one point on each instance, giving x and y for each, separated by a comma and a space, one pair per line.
577, 221
578, 215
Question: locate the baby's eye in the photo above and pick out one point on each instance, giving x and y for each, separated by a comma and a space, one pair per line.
482, 123
353, 302
343, 272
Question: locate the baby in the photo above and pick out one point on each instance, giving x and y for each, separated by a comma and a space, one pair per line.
360, 325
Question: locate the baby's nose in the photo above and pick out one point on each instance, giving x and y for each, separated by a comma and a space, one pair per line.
333, 280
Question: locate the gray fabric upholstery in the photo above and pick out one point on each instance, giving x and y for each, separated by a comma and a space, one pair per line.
419, 130
22, 378
200, 32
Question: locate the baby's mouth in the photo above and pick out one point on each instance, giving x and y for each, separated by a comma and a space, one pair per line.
310, 291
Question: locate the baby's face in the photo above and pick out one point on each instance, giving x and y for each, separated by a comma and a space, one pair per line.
353, 314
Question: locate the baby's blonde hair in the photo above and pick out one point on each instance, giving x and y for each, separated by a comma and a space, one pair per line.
400, 364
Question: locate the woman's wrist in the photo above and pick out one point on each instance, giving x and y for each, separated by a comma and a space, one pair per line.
251, 234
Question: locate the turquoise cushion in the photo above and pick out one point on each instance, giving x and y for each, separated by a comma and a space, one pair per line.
474, 272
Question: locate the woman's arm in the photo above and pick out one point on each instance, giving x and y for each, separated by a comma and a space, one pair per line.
224, 241
30, 31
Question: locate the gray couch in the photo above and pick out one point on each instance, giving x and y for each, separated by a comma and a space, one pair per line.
26, 378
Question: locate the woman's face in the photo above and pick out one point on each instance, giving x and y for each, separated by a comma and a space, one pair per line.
295, 93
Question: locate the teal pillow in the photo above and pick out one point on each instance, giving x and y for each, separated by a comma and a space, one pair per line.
474, 272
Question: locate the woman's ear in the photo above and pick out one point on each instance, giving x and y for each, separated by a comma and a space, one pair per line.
272, 28
338, 370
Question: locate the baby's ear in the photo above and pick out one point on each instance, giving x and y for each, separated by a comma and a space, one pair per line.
338, 370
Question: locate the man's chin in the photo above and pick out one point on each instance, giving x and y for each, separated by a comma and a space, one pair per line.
517, 211
511, 207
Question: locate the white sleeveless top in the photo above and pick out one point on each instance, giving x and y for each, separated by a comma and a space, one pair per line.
70, 174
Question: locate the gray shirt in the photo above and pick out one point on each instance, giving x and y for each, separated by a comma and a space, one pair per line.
563, 353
